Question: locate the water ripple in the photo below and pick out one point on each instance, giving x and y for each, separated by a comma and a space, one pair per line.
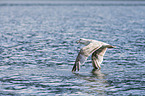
38, 48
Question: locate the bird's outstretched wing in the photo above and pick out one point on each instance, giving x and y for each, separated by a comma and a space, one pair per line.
79, 60
97, 56
83, 55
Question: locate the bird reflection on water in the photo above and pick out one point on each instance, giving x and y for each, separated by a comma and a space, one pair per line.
96, 81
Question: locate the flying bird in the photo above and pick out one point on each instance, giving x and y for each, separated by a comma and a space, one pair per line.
94, 47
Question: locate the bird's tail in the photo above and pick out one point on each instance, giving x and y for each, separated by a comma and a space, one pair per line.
109, 46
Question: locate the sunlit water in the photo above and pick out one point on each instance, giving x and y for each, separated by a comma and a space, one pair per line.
38, 48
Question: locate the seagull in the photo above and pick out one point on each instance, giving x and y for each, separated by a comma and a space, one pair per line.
94, 47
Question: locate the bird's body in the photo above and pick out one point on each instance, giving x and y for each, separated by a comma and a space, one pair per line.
94, 47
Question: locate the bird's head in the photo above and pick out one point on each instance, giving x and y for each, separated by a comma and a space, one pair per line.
84, 41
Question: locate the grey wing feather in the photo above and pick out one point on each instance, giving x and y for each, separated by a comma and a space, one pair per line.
79, 60
97, 57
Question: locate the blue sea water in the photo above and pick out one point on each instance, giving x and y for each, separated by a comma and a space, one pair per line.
38, 47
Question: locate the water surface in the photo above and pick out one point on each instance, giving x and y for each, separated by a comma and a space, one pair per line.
38, 48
